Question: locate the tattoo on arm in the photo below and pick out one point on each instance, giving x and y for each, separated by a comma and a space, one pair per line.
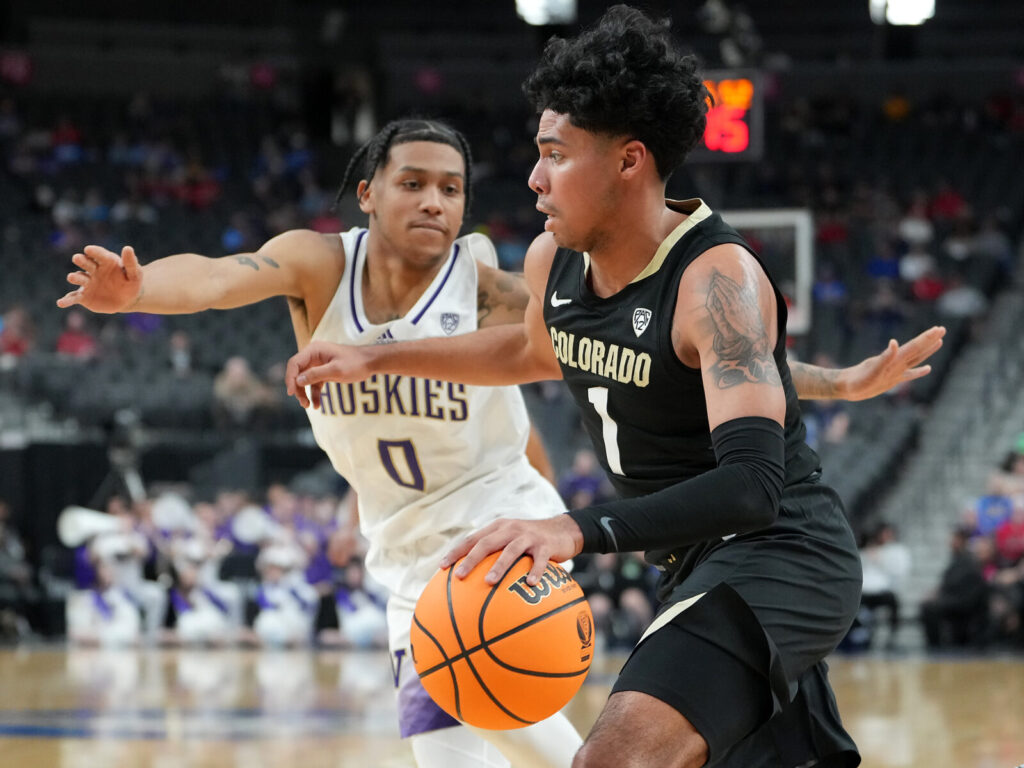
812, 381
271, 262
508, 293
248, 262
740, 338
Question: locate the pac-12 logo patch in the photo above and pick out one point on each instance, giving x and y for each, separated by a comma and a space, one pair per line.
641, 319
449, 322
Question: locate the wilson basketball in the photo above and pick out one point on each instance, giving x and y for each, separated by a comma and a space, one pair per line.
502, 656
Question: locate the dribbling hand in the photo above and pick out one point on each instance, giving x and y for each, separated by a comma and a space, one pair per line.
557, 538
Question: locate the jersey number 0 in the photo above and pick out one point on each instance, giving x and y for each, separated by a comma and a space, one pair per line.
401, 452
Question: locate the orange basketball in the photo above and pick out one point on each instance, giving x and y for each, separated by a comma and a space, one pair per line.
502, 656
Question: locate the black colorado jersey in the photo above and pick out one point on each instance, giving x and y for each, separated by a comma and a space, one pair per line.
643, 408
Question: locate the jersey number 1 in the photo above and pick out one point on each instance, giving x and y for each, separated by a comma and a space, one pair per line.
598, 396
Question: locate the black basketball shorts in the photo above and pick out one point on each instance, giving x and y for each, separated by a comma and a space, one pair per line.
739, 647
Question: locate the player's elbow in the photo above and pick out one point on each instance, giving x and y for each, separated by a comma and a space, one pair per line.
757, 511
759, 494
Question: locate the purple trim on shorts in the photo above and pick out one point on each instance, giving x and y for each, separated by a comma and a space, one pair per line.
417, 712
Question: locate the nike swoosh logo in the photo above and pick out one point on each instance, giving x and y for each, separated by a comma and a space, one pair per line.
606, 524
557, 302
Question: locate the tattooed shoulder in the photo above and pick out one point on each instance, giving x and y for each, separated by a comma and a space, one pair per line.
506, 292
248, 262
740, 339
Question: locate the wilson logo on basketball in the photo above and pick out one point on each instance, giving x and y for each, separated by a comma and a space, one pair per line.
554, 577
585, 631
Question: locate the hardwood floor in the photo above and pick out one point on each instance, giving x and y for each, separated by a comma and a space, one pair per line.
72, 708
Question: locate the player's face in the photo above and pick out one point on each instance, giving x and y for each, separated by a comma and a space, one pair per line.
417, 199
574, 179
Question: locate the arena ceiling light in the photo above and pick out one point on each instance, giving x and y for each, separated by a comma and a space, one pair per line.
901, 12
540, 13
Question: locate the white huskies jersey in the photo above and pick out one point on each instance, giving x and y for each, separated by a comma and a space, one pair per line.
430, 460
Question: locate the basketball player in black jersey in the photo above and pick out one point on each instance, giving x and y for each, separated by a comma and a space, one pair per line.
306, 267
671, 336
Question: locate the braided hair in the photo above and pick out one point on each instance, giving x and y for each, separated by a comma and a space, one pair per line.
376, 152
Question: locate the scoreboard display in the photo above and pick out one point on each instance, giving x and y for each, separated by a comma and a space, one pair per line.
735, 129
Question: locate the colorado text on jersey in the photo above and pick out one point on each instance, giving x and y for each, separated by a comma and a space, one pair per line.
612, 361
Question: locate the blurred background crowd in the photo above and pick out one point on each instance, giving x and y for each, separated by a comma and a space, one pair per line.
205, 513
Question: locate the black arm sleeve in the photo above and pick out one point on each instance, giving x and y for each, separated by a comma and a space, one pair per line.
741, 494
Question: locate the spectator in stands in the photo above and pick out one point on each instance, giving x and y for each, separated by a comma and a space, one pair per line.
134, 208
77, 340
928, 287
360, 603
238, 235
287, 603
618, 587
886, 564
207, 611
17, 591
126, 553
991, 510
16, 334
585, 483
1008, 480
915, 263
94, 208
1009, 536
179, 354
991, 242
1006, 592
916, 228
946, 204
886, 311
956, 613
10, 122
102, 614
241, 399
67, 209
961, 299
884, 265
67, 141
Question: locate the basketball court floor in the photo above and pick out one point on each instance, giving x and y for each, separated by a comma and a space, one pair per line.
74, 708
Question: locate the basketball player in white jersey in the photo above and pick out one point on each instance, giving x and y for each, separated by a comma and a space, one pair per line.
430, 461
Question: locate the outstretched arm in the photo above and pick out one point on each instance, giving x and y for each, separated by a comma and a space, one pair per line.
895, 365
509, 353
108, 282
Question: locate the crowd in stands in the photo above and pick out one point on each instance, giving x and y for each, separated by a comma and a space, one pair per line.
894, 254
282, 571
980, 601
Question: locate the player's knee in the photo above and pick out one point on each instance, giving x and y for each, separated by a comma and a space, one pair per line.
605, 748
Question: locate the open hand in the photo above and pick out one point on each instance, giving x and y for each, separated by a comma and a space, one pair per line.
106, 282
897, 364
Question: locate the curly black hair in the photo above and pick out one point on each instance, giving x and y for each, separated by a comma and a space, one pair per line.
377, 151
625, 77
